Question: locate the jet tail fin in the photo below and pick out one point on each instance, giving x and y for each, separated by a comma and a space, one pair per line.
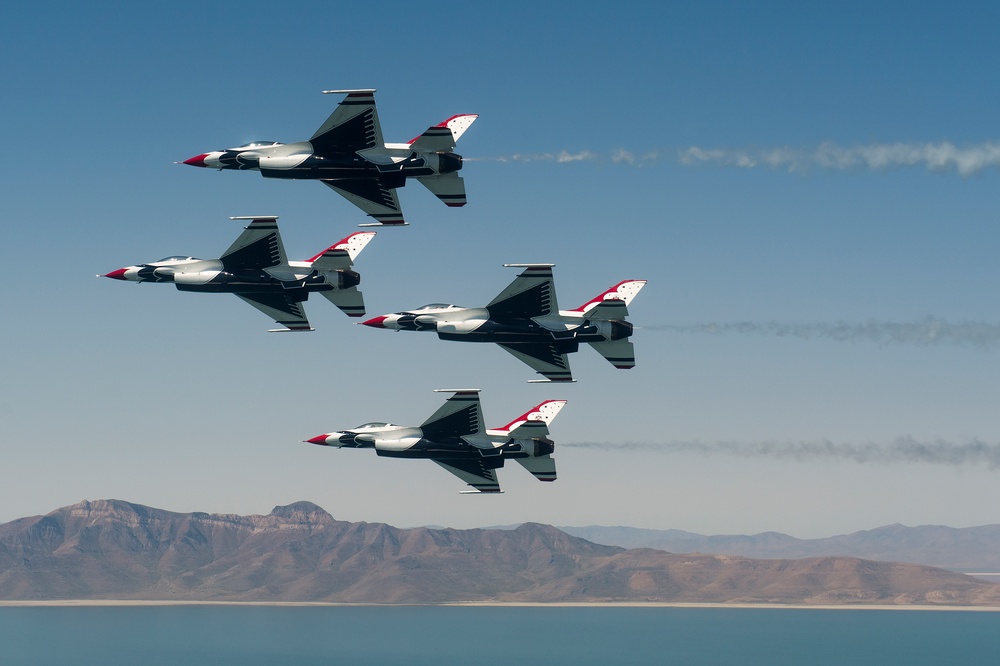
350, 301
342, 253
623, 291
449, 188
441, 138
535, 421
619, 353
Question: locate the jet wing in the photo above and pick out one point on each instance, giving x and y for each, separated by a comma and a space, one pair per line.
353, 125
459, 416
531, 294
474, 473
370, 196
545, 359
289, 314
259, 246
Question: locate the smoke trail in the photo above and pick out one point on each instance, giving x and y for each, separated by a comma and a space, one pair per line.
925, 332
900, 450
562, 157
944, 156
620, 156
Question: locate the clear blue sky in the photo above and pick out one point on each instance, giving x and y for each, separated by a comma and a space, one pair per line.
791, 165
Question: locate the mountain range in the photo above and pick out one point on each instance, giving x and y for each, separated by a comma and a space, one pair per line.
961, 549
112, 549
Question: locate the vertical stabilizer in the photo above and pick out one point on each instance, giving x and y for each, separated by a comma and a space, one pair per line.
544, 412
624, 291
441, 138
342, 253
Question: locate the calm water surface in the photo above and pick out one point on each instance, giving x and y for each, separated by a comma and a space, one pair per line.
417, 635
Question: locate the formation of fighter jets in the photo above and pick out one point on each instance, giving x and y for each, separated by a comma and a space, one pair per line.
348, 154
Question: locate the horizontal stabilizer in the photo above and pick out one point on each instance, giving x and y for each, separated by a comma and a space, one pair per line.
543, 468
441, 138
342, 253
449, 188
620, 353
350, 301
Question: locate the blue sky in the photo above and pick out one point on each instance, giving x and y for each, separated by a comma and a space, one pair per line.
786, 167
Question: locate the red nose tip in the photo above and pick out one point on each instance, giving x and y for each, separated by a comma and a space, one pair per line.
318, 439
116, 275
375, 322
197, 160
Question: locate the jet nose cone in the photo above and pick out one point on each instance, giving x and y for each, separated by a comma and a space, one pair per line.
376, 322
197, 160
116, 275
318, 439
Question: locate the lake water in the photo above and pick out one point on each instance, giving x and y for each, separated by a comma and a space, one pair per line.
416, 635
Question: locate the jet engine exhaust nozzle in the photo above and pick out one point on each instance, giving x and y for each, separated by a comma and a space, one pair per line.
348, 279
449, 162
620, 330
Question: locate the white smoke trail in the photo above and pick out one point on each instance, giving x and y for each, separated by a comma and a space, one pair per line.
900, 450
943, 156
925, 332
622, 156
562, 157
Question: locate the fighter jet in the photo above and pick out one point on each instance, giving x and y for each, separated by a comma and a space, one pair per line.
347, 154
526, 321
455, 438
255, 269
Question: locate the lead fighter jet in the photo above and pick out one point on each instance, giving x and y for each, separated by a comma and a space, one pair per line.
255, 269
347, 154
526, 321
455, 438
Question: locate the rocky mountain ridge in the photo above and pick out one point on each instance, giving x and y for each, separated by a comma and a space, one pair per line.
961, 548
110, 549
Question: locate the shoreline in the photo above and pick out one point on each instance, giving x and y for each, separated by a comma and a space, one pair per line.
108, 603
